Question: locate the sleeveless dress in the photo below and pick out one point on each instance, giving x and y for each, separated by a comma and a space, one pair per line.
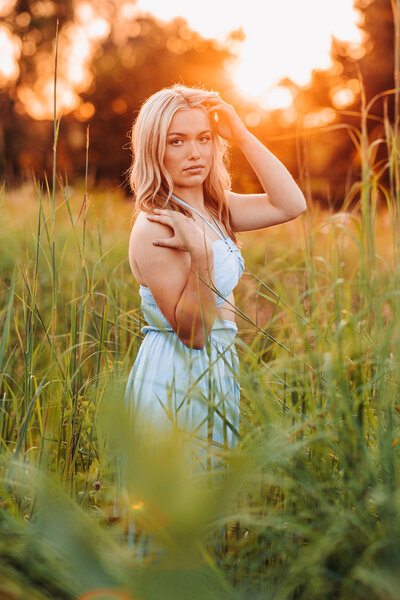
196, 389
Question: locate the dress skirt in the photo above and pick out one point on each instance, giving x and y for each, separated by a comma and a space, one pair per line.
196, 390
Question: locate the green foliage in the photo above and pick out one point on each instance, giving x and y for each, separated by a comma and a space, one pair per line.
309, 506
92, 499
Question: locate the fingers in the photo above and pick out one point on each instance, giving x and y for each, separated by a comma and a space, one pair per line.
170, 221
157, 218
217, 104
165, 212
165, 219
165, 243
214, 98
218, 112
226, 108
171, 242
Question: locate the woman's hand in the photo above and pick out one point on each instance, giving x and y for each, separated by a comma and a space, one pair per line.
187, 237
229, 124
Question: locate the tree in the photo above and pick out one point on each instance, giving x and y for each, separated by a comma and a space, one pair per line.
124, 70
156, 56
333, 158
31, 26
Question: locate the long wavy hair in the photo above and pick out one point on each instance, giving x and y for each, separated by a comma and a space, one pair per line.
150, 182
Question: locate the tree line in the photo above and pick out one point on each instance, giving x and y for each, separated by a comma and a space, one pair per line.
125, 68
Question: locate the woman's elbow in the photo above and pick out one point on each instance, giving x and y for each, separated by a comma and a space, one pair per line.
194, 343
197, 338
302, 209
194, 333
299, 208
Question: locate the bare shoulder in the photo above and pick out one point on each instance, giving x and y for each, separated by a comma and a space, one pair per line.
145, 231
163, 270
141, 247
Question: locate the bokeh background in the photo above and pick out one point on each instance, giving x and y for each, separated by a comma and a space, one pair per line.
309, 508
293, 72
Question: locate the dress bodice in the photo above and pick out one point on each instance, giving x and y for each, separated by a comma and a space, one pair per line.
228, 269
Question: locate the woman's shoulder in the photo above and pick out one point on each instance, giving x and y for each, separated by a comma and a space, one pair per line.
158, 268
145, 231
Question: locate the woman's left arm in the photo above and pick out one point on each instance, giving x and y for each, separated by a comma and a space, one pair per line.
283, 199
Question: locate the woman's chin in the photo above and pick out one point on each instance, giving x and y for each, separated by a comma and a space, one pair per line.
193, 181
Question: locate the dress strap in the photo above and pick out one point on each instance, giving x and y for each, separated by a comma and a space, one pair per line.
219, 227
204, 219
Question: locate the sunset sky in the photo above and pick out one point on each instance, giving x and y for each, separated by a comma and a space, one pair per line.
287, 38
282, 39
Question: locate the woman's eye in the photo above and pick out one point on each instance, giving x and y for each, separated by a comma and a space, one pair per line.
205, 138
176, 142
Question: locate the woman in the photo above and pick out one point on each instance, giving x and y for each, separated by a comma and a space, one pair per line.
183, 252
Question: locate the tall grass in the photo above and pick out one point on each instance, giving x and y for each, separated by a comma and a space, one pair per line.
310, 502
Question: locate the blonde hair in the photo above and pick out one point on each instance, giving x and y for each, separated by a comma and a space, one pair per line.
150, 182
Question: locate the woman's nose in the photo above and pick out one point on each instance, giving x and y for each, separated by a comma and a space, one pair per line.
194, 151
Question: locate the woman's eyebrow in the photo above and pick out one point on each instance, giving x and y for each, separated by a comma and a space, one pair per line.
185, 134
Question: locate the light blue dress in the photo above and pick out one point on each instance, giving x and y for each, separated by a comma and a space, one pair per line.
196, 389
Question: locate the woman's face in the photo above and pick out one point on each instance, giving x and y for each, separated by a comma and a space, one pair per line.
189, 148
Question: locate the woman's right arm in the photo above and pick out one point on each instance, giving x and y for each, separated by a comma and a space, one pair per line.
180, 280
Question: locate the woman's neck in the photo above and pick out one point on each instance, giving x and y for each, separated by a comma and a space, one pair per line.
193, 196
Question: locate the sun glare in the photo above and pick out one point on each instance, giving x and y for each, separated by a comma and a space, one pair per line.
276, 97
76, 45
342, 96
10, 49
283, 39
6, 6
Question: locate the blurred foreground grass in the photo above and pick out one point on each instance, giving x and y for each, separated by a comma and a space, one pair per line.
311, 497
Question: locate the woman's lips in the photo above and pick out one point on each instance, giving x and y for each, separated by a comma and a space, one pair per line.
193, 170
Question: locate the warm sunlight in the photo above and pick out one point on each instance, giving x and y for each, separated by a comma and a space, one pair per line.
283, 39
10, 49
77, 43
286, 39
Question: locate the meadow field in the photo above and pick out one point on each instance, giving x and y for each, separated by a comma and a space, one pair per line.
309, 506
94, 505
